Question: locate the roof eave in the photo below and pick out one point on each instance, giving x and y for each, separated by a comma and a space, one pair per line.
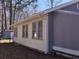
47, 11
60, 6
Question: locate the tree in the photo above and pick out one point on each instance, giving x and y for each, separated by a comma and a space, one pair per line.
25, 4
55, 3
2, 29
5, 14
4, 24
16, 8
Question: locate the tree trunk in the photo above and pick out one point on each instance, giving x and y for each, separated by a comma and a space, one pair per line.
5, 16
10, 12
2, 27
14, 13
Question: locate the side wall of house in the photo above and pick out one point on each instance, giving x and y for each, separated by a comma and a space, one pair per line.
34, 43
64, 32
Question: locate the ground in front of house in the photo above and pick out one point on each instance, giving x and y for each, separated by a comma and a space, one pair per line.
14, 51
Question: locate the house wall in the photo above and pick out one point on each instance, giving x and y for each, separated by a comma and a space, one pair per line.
66, 30
41, 45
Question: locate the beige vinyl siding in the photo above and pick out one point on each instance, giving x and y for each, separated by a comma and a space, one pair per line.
30, 42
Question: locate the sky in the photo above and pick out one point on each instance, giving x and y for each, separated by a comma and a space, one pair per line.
45, 4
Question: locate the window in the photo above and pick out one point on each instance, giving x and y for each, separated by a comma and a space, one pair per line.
25, 31
15, 32
37, 30
40, 29
34, 32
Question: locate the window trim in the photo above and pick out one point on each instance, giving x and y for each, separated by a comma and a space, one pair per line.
15, 32
37, 30
24, 30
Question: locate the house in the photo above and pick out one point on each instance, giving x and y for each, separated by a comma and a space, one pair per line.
54, 29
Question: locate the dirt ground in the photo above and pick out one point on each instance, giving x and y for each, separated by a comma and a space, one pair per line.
13, 51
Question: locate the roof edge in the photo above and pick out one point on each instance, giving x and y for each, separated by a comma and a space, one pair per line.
47, 11
35, 16
60, 6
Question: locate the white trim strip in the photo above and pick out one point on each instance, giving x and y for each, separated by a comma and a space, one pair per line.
69, 12
65, 50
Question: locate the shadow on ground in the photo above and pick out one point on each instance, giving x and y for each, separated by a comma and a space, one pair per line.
13, 51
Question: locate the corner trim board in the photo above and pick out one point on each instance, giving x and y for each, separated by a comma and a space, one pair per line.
66, 50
